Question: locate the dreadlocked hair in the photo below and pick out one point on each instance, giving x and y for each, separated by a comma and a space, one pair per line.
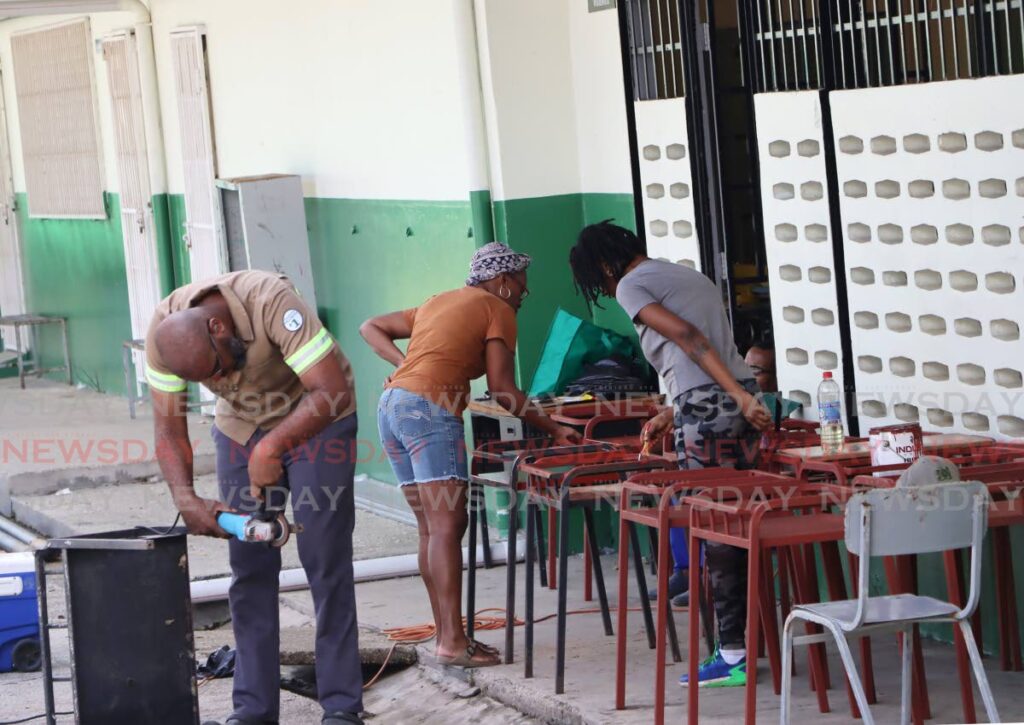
600, 247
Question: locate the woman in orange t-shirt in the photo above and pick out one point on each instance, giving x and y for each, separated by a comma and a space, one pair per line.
454, 337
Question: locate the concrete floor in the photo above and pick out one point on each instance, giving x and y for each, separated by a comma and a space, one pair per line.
590, 668
63, 427
82, 493
148, 503
413, 696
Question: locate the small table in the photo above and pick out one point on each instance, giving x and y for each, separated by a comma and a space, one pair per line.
32, 322
856, 454
561, 483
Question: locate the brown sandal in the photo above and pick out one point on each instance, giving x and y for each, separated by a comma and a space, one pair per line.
489, 649
465, 659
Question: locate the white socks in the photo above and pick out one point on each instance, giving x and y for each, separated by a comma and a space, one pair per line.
732, 656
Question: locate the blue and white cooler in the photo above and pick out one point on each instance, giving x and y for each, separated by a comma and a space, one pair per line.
19, 614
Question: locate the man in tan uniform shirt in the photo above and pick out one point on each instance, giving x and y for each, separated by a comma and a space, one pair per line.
285, 420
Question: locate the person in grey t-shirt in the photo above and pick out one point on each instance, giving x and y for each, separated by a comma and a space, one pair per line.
685, 334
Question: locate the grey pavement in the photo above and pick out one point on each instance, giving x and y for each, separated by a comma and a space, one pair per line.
55, 436
86, 510
86, 494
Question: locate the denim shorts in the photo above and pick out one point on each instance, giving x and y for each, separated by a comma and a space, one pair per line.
424, 442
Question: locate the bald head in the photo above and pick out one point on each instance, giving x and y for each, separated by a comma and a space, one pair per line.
183, 342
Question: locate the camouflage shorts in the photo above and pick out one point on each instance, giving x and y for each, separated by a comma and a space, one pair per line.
711, 431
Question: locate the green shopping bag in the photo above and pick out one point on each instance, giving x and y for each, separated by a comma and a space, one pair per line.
571, 345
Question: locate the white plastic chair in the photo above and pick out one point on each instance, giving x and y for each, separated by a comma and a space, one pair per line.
895, 522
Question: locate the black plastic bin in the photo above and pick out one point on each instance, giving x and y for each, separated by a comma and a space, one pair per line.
129, 619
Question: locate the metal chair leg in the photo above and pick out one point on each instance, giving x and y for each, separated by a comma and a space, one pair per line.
554, 516
626, 537
471, 573
510, 576
652, 540
531, 553
837, 592
851, 672
1000, 557
673, 633
130, 385
955, 594
588, 571
866, 660
563, 586
641, 583
595, 567
67, 353
753, 630
787, 671
21, 356
905, 680
979, 673
770, 621
484, 534
541, 548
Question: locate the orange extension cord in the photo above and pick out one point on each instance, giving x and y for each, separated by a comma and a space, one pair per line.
482, 622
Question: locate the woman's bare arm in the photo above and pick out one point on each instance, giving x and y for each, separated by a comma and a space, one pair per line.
380, 333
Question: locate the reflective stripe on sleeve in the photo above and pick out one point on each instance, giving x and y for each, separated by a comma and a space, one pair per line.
164, 382
303, 358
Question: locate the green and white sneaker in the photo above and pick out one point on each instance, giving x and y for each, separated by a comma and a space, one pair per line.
716, 672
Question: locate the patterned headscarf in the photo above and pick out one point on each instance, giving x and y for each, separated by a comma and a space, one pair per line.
495, 259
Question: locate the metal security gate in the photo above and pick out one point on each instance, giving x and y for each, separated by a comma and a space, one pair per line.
890, 163
137, 225
885, 175
12, 291
845, 44
204, 233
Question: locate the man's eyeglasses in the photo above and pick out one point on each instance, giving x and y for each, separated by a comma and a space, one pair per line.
218, 367
758, 370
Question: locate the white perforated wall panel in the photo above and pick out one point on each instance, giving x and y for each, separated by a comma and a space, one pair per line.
798, 243
665, 174
931, 179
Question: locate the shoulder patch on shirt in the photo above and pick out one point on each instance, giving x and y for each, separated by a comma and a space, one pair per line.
292, 320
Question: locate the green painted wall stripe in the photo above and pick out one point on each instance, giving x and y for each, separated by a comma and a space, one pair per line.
483, 217
75, 268
375, 256
546, 228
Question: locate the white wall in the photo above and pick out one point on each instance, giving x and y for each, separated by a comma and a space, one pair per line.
598, 96
554, 98
362, 98
528, 92
368, 101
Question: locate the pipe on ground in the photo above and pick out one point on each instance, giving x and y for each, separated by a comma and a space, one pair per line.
16, 530
10, 544
387, 567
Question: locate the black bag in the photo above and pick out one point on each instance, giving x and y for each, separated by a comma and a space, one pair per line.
613, 377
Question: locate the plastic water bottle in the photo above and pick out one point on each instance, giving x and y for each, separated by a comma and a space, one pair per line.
830, 415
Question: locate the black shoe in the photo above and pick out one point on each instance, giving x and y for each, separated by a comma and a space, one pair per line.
341, 718
681, 600
233, 721
678, 583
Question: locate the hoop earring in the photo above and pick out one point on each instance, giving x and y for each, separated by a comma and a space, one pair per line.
504, 292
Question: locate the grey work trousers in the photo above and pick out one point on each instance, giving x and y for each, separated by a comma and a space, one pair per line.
319, 476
